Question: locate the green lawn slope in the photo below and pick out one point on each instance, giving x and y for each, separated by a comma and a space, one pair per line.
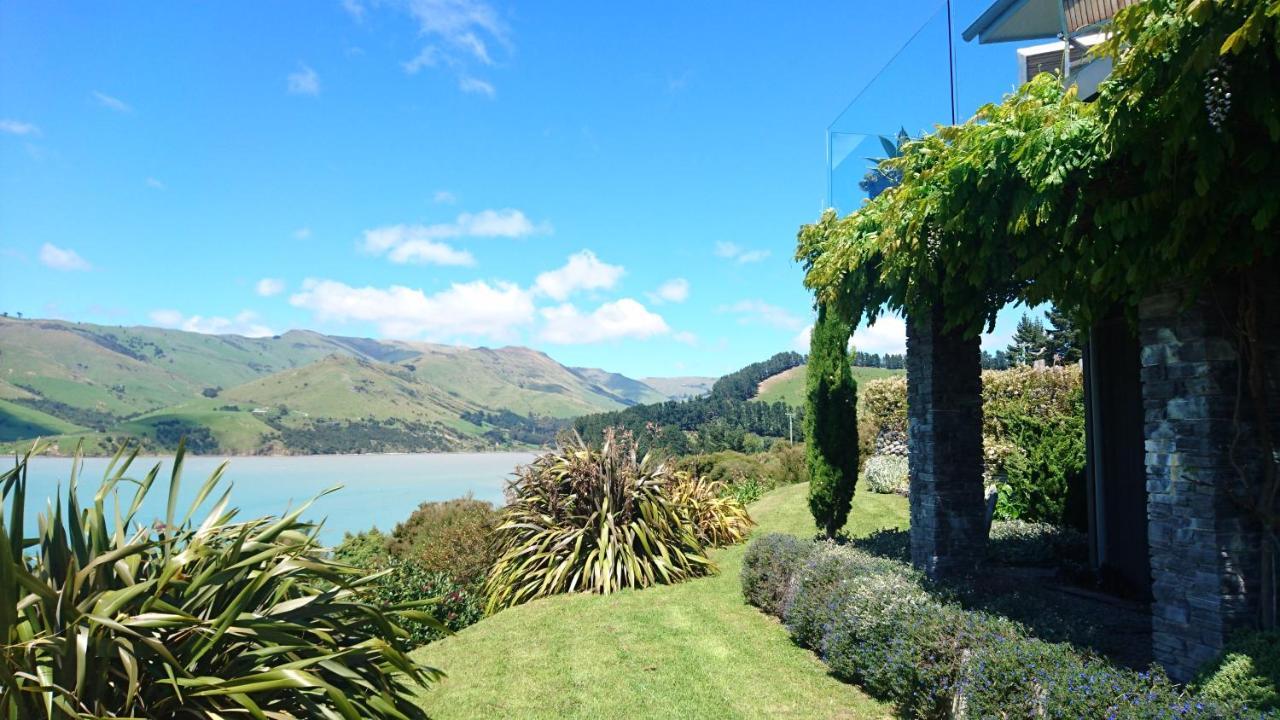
693, 650
788, 386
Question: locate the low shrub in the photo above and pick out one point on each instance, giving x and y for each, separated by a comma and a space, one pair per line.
454, 537
886, 474
1033, 437
454, 605
768, 566
747, 476
868, 430
884, 401
1015, 542
366, 550
585, 520
108, 614
876, 622
1247, 674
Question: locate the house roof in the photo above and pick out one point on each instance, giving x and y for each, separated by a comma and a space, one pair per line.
1013, 20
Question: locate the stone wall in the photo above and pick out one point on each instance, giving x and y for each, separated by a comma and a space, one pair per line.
1204, 556
944, 409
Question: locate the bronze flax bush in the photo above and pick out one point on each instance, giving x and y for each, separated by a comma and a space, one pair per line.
105, 614
586, 520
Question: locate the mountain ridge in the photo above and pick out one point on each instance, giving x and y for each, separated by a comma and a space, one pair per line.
300, 391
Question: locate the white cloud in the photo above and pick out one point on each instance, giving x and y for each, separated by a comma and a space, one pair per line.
354, 9
428, 57
465, 25
675, 290
476, 86
302, 233
739, 254
246, 323
800, 343
267, 287
62, 258
758, 311
458, 35
15, 127
624, 318
474, 309
444, 197
583, 271
422, 243
887, 335
413, 244
156, 184
304, 82
112, 103
685, 337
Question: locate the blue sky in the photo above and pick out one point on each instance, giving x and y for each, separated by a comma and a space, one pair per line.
618, 185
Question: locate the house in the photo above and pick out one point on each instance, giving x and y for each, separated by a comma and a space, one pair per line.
1167, 450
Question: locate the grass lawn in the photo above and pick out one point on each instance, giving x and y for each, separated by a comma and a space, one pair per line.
693, 650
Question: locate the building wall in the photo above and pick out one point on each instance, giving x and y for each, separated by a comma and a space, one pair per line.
1203, 543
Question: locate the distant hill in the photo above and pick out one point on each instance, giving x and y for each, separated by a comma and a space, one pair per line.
788, 386
680, 388
300, 392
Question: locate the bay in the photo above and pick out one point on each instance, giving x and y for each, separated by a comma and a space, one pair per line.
377, 490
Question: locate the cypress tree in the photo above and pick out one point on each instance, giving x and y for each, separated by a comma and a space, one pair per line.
830, 423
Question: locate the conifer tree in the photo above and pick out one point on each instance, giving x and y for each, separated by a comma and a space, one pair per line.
1064, 338
1030, 342
831, 423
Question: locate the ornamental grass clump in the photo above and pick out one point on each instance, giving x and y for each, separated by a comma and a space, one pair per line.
105, 613
585, 520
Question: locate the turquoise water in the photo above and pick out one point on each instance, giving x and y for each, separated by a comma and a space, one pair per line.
378, 490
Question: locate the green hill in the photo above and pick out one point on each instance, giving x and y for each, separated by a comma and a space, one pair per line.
788, 386
297, 392
692, 650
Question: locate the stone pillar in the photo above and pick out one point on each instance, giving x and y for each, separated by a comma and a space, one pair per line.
1204, 547
944, 411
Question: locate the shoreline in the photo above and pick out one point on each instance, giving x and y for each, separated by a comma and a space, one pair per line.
235, 456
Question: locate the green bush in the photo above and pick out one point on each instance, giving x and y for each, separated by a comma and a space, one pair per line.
585, 520
1014, 542
876, 622
366, 550
886, 474
454, 605
884, 401
107, 614
1247, 674
1033, 437
454, 537
746, 477
767, 569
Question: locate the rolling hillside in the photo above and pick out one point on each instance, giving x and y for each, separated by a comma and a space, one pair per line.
788, 386
297, 392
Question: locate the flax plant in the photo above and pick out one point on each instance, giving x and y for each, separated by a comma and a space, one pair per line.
585, 520
105, 613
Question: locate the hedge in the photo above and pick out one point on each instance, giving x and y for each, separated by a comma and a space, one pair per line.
875, 622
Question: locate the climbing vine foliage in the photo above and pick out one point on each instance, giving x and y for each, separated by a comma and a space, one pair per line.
1170, 174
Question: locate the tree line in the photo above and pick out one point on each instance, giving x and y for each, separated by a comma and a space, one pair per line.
724, 419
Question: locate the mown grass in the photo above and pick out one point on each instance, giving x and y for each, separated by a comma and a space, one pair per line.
693, 650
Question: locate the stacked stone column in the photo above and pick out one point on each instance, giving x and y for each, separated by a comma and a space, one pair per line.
944, 410
1203, 543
